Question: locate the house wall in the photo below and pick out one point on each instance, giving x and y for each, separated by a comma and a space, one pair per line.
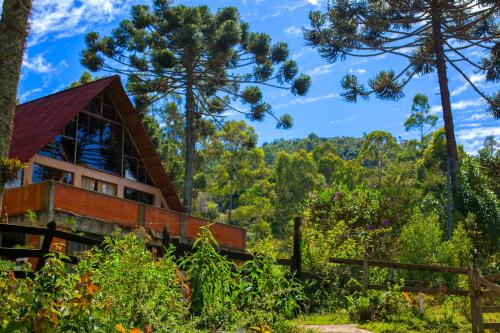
80, 171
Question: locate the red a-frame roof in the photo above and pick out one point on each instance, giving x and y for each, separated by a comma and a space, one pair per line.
38, 122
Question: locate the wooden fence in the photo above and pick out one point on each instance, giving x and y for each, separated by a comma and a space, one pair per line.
479, 286
51, 232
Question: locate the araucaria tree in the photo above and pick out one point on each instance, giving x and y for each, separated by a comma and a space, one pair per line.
430, 34
13, 32
420, 118
207, 60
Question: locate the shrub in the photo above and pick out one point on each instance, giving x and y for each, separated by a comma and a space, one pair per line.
265, 292
210, 278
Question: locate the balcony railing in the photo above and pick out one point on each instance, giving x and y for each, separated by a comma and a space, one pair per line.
52, 197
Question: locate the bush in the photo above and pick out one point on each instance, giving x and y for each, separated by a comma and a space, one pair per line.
265, 292
210, 277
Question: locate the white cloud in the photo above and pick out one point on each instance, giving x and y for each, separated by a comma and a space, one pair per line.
338, 121
28, 93
293, 31
359, 71
474, 78
314, 2
64, 18
470, 125
321, 70
228, 113
306, 100
473, 138
37, 64
480, 116
460, 105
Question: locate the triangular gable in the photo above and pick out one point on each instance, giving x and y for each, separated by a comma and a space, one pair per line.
38, 122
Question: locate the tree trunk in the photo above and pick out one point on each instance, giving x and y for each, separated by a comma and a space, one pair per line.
190, 148
451, 144
13, 33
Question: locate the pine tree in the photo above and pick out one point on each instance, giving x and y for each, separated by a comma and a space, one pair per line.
13, 33
430, 34
208, 60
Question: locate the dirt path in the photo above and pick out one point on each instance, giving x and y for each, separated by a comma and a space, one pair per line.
347, 328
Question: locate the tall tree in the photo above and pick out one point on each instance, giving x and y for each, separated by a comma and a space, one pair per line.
420, 118
233, 147
209, 59
429, 34
295, 176
377, 150
13, 33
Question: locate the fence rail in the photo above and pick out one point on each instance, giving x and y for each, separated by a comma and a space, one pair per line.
51, 232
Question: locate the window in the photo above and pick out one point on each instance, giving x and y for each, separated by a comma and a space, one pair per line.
139, 196
43, 173
18, 182
99, 186
97, 138
63, 146
99, 144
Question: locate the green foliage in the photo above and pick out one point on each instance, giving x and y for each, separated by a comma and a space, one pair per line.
477, 198
9, 169
266, 293
210, 279
137, 289
421, 239
295, 175
376, 306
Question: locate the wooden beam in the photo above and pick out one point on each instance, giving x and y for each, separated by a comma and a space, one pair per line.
396, 265
491, 309
432, 291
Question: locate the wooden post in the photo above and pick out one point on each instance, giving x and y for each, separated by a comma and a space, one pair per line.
165, 240
366, 271
47, 241
475, 301
297, 241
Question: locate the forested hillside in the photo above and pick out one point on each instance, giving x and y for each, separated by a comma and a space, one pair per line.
263, 188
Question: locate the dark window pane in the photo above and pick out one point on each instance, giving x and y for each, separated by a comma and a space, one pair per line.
70, 129
64, 149
129, 148
139, 196
112, 135
109, 112
141, 173
43, 173
99, 157
48, 150
95, 105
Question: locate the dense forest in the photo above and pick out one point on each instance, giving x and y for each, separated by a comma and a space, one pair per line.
263, 188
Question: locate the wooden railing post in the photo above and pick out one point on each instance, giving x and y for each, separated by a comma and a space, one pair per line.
297, 241
475, 301
165, 239
366, 271
47, 241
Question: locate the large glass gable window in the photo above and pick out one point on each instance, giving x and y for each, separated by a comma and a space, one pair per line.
97, 138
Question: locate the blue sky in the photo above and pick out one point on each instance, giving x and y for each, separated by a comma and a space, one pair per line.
56, 39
